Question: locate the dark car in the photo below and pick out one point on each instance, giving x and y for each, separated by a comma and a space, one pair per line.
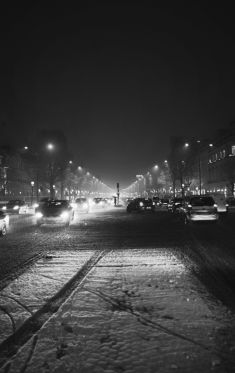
175, 204
164, 202
3, 224
54, 211
82, 205
141, 204
14, 206
200, 208
156, 200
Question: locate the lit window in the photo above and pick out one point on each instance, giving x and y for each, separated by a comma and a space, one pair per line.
224, 153
233, 149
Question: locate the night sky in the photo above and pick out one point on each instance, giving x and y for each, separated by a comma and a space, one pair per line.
118, 79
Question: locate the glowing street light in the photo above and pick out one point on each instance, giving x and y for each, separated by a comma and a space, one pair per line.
50, 146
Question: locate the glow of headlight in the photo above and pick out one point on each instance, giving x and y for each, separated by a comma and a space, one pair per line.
141, 204
64, 215
7, 219
35, 205
39, 215
85, 205
4, 208
16, 207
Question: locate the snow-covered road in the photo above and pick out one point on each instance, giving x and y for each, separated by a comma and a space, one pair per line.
116, 294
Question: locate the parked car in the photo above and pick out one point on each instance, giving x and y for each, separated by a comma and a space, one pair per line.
82, 205
200, 208
175, 204
54, 211
14, 206
141, 204
3, 224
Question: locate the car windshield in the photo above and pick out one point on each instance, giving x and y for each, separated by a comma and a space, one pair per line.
202, 201
81, 200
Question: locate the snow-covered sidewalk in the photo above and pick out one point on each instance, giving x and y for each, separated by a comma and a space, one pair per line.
136, 311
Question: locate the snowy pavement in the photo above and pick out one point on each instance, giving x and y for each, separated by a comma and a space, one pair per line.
137, 310
29, 292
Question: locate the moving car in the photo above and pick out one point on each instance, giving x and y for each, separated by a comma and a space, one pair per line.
230, 204
141, 204
156, 200
82, 205
175, 204
99, 202
164, 202
14, 206
54, 211
3, 224
200, 208
220, 201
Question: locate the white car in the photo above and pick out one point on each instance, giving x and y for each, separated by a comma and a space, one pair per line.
3, 224
200, 208
220, 201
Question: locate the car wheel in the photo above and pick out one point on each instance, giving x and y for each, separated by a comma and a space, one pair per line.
3, 231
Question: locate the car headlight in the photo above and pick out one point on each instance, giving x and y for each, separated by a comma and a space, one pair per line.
16, 207
35, 205
4, 208
64, 215
38, 215
153, 203
141, 204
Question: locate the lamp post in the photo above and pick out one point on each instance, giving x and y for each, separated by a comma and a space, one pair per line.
32, 190
51, 148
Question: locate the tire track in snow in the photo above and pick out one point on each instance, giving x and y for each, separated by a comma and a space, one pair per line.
32, 325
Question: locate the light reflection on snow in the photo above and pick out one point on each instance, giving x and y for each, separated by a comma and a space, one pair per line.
162, 258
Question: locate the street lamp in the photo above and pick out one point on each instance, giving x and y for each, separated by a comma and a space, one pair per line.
50, 146
32, 188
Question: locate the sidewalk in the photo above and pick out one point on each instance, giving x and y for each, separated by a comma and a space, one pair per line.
136, 311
